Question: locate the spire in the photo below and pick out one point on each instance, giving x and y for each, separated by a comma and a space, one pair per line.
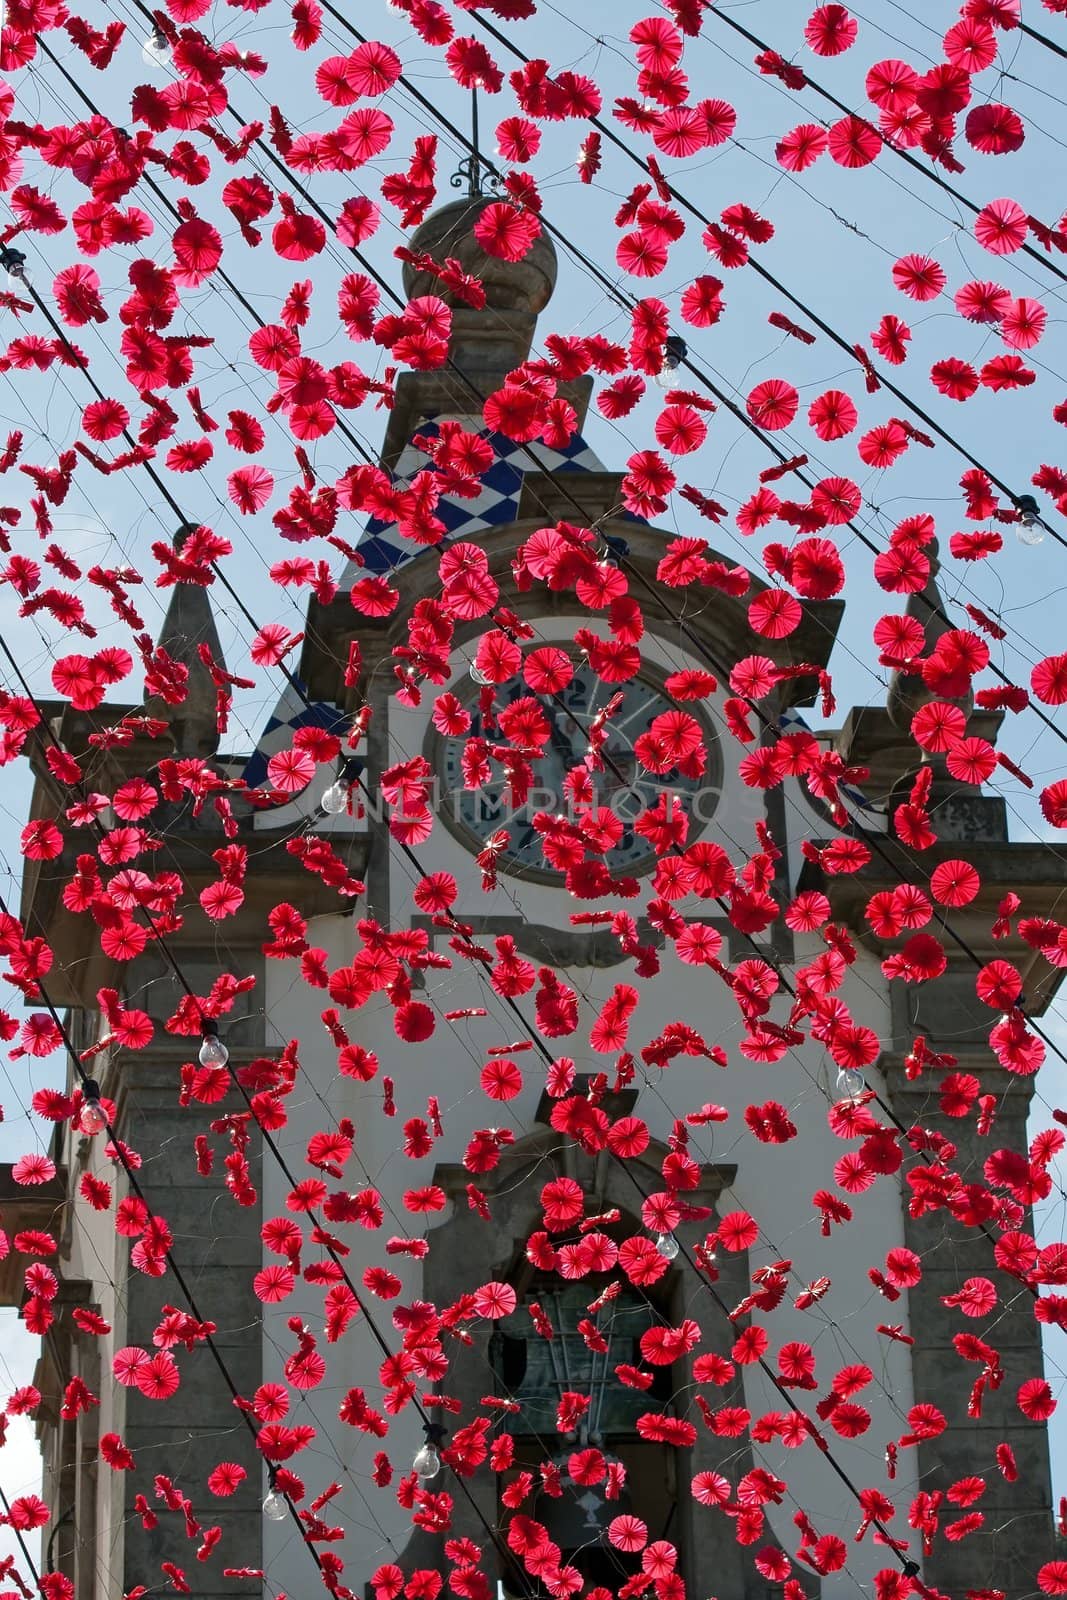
472, 170
486, 342
190, 622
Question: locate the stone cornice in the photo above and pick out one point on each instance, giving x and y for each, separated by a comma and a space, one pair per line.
1013, 1092
722, 625
274, 875
1031, 870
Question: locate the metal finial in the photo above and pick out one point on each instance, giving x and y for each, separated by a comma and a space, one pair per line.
472, 170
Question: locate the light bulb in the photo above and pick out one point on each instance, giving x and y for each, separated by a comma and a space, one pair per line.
675, 351
274, 1506
92, 1118
156, 51
335, 799
478, 676
1031, 530
14, 264
213, 1053
667, 1246
850, 1083
427, 1463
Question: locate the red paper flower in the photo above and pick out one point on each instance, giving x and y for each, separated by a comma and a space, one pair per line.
891, 85
105, 419
1023, 323
1001, 227
226, 1478
775, 614
157, 1377
504, 231
830, 30
680, 429
773, 403
955, 883
1049, 680
29, 1511
801, 147
833, 415
626, 1533
955, 379
272, 1284
853, 142
737, 1231
994, 129
971, 44
495, 1300
919, 277
641, 255
31, 1170
250, 488
413, 1021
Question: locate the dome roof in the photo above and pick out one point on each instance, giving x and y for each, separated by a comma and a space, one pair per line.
524, 285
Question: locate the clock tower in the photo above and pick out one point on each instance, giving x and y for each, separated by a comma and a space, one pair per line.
539, 652
480, 739
443, 812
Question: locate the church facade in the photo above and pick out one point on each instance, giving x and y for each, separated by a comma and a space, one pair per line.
526, 916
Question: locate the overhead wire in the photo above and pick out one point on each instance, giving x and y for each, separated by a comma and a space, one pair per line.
176, 1270
396, 299
621, 144
614, 292
729, 20
271, 1144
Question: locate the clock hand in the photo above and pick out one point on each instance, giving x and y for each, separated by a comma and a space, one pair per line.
561, 743
528, 837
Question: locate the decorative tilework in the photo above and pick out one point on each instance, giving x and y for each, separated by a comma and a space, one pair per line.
290, 713
383, 549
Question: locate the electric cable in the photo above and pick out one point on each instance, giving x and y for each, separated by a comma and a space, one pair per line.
590, 267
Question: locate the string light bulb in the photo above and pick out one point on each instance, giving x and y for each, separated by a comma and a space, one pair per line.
850, 1083
1029, 529
212, 1053
426, 1463
14, 264
155, 51
92, 1118
675, 351
335, 799
478, 676
275, 1508
667, 1246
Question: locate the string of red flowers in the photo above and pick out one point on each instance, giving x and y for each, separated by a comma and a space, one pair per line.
910, 578
832, 415
547, 1056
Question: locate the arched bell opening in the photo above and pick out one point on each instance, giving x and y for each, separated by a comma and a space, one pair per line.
566, 1339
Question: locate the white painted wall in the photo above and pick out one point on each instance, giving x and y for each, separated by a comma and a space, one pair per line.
775, 1183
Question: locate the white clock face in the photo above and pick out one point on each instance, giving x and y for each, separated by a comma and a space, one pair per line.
624, 787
